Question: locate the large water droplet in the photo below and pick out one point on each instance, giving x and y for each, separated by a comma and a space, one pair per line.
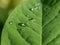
11, 22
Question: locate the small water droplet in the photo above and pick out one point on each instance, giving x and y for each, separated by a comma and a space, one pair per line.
22, 24
37, 6
32, 19
11, 22
32, 9
27, 15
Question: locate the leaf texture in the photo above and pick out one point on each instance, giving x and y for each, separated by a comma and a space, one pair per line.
51, 23
24, 25
30, 23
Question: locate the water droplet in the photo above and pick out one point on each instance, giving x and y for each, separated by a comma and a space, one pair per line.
22, 24
27, 15
32, 19
32, 9
11, 22
37, 6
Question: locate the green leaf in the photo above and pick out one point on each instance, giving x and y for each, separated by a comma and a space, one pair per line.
24, 25
51, 23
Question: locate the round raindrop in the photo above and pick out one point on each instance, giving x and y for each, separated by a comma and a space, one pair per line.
11, 22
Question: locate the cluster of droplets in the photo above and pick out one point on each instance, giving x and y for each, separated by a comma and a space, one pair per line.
19, 24
23, 24
37, 7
